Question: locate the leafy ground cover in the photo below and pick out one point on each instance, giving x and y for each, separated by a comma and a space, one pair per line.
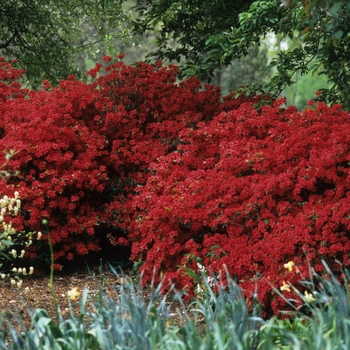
120, 315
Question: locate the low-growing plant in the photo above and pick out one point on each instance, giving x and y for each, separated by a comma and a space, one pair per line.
129, 320
137, 317
13, 244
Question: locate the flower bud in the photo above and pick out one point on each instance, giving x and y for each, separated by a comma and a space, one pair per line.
14, 269
39, 235
14, 253
31, 270
24, 271
3, 276
13, 282
22, 253
16, 194
18, 203
20, 270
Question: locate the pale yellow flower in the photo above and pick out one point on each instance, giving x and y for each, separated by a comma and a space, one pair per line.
285, 286
308, 297
73, 293
289, 265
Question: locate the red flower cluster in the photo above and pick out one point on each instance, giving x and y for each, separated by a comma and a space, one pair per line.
81, 149
137, 158
249, 191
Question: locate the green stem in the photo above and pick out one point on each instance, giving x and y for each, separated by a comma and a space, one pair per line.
51, 270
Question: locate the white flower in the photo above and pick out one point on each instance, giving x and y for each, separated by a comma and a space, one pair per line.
308, 297
22, 253
73, 293
285, 287
289, 265
14, 253
31, 270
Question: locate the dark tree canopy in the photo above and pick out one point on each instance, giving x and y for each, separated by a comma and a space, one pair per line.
210, 34
46, 36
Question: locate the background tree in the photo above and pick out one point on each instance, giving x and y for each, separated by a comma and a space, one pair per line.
210, 34
51, 39
242, 72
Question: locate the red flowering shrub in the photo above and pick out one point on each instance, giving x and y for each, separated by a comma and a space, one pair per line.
136, 157
80, 149
146, 110
250, 190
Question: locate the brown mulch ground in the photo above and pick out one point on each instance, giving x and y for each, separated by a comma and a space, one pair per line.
35, 293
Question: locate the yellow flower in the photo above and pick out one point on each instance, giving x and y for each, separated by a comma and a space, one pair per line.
285, 287
73, 293
289, 265
308, 297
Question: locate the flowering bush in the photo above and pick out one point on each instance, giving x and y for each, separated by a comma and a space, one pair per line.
185, 177
249, 191
80, 149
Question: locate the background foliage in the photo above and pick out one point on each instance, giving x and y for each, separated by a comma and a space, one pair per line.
52, 39
210, 34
